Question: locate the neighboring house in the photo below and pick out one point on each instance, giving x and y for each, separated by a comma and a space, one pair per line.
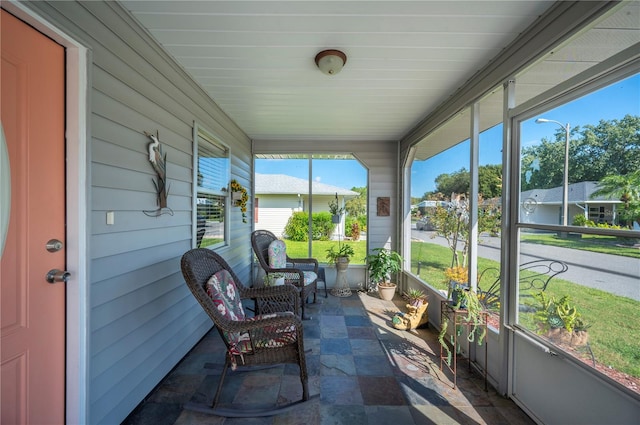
544, 206
277, 196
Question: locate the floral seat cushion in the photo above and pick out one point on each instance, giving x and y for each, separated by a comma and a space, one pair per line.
278, 260
269, 336
223, 291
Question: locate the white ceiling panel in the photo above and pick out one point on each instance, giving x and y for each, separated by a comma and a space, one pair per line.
404, 58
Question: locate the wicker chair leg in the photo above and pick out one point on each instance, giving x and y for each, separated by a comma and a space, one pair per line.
304, 301
219, 390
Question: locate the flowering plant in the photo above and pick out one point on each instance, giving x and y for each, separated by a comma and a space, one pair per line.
242, 202
456, 274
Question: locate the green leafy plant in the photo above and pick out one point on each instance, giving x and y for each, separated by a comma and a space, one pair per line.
475, 320
552, 314
271, 279
297, 227
415, 297
344, 250
381, 264
334, 208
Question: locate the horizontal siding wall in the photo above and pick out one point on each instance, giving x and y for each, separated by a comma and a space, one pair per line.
143, 319
381, 161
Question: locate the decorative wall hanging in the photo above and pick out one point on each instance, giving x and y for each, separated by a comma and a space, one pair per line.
384, 206
239, 198
158, 161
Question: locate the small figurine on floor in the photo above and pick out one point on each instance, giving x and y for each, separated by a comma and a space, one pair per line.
415, 317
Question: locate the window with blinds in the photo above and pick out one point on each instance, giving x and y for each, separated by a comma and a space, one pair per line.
213, 173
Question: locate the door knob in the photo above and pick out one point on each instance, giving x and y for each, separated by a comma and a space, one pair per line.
56, 275
54, 245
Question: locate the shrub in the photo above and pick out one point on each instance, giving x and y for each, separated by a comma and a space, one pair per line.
322, 226
581, 220
360, 220
355, 231
296, 228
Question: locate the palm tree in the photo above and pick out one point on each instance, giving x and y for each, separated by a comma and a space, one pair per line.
627, 189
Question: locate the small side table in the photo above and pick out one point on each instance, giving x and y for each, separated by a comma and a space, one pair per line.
458, 317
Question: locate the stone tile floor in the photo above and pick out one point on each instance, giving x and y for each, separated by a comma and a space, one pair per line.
361, 371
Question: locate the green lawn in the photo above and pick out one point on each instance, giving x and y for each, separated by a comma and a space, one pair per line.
615, 320
300, 250
594, 243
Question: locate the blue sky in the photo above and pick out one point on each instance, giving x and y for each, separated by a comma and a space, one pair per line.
340, 173
613, 102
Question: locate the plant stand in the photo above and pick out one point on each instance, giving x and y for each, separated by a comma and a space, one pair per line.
341, 288
458, 317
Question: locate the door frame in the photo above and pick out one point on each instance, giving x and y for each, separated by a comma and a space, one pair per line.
77, 58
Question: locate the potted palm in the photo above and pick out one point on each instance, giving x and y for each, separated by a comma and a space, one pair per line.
381, 264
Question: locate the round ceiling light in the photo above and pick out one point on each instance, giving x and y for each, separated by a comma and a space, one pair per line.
330, 62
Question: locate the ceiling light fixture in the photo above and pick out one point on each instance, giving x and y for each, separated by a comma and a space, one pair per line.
330, 62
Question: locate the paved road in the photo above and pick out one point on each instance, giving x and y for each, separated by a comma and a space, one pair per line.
611, 273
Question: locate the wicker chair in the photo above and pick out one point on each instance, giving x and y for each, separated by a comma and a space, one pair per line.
305, 280
266, 339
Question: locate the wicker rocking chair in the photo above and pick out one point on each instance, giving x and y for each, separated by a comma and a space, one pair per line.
268, 339
300, 272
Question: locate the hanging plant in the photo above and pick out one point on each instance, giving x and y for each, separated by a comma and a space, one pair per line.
239, 198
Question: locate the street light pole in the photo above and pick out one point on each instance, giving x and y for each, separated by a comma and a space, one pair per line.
565, 182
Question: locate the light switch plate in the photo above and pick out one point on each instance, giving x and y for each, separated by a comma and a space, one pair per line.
111, 218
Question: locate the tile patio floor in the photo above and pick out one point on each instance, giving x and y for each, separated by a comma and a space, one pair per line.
361, 371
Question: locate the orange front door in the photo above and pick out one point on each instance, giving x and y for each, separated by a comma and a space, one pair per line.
32, 335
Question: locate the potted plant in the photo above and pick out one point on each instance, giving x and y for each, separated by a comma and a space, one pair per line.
342, 256
335, 210
560, 322
380, 265
474, 319
415, 297
457, 277
273, 279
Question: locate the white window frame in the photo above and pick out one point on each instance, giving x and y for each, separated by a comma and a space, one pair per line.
202, 135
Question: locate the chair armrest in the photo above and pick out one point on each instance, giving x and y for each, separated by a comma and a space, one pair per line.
271, 291
305, 263
286, 294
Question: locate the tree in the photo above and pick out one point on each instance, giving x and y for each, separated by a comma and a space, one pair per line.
608, 148
452, 223
489, 182
357, 206
625, 188
456, 182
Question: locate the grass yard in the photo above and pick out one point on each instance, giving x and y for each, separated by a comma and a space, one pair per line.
594, 243
615, 320
300, 250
